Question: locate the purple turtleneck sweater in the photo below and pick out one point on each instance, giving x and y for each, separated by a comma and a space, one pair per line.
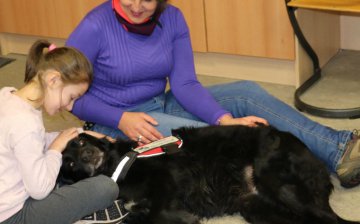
130, 69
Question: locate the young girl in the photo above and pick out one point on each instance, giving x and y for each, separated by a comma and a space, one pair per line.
30, 158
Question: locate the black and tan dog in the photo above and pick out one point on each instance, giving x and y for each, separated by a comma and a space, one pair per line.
266, 175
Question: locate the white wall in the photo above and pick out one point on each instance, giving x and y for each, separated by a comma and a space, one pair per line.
350, 32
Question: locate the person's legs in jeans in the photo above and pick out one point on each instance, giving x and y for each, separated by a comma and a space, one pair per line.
155, 108
166, 124
69, 203
247, 98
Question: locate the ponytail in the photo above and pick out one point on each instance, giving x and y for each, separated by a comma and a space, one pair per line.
72, 65
33, 59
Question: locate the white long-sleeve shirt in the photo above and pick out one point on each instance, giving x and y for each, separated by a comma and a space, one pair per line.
27, 167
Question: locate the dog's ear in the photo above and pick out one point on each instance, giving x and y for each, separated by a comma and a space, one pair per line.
61, 180
102, 143
123, 146
106, 143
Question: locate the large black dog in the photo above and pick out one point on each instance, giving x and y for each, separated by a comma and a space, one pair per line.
266, 175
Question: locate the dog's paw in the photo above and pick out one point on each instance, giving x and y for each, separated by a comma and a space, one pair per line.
138, 212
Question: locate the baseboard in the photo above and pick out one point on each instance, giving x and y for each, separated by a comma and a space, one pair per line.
211, 64
245, 68
20, 44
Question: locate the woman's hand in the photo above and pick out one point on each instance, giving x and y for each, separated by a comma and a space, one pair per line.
62, 139
251, 121
139, 127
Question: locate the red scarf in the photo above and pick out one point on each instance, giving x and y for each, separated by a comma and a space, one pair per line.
146, 28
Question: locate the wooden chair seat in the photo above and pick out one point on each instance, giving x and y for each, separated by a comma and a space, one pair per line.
332, 5
341, 6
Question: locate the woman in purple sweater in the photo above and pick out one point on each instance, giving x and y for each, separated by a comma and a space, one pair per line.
136, 46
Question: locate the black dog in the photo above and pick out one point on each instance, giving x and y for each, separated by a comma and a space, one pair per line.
266, 175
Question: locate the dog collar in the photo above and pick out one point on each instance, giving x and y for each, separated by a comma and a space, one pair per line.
168, 145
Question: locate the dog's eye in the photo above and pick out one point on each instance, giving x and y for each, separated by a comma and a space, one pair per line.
72, 164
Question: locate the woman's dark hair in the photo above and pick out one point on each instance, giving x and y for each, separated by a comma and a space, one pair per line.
72, 65
161, 5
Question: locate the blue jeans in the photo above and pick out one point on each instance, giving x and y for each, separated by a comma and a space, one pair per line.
246, 98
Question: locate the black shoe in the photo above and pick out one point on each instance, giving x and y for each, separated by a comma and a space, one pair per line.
113, 214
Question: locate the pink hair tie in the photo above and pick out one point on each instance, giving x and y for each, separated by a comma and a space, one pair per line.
52, 47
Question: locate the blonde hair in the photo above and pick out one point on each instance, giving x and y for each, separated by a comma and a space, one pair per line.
72, 65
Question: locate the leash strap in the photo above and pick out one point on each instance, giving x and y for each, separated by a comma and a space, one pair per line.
124, 165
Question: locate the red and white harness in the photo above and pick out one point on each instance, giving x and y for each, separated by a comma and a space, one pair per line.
168, 145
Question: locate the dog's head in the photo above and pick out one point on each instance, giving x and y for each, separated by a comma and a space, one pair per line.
86, 156
83, 157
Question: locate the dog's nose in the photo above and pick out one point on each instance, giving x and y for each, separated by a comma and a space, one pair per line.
86, 155
85, 159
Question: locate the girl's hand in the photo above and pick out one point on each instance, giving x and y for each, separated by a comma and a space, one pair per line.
251, 121
136, 124
62, 139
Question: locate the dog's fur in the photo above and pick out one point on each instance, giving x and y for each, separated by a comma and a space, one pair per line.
266, 175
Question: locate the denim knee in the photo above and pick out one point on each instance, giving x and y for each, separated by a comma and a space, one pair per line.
249, 83
243, 89
251, 86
